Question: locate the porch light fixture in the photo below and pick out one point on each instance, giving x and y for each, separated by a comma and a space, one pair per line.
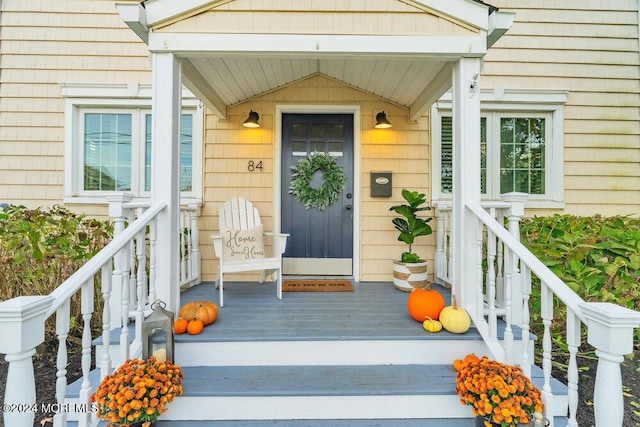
381, 121
252, 120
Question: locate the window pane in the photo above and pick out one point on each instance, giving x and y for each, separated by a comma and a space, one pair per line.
446, 155
107, 152
335, 131
522, 155
299, 148
186, 152
186, 156
317, 131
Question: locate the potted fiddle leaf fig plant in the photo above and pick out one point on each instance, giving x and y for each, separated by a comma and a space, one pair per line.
410, 272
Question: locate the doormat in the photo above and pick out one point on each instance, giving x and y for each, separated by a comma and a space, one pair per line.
320, 285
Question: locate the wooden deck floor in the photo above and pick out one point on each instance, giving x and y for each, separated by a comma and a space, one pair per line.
252, 312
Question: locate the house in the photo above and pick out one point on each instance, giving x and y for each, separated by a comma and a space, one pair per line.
537, 100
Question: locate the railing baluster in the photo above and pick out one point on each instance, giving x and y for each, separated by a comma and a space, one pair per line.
508, 301
152, 260
86, 308
547, 318
141, 272
479, 271
183, 252
491, 283
448, 244
62, 331
132, 265
573, 342
500, 265
124, 304
195, 243
526, 316
105, 364
440, 253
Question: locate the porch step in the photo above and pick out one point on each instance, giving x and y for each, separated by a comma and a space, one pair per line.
322, 392
353, 359
414, 422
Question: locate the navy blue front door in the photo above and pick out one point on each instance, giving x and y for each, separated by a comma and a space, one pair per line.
320, 242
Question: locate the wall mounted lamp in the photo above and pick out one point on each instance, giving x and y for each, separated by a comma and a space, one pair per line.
252, 120
381, 121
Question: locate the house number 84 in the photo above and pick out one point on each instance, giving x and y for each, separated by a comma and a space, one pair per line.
252, 165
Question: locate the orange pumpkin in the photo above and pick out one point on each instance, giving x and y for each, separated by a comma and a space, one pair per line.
180, 326
194, 327
424, 303
206, 311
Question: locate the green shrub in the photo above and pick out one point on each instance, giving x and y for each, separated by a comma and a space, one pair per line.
40, 249
598, 257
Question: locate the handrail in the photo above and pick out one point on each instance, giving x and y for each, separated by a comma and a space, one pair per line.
560, 289
67, 289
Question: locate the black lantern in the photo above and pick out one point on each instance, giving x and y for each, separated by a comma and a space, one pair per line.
158, 319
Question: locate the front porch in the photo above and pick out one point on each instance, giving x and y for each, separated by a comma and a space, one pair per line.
320, 359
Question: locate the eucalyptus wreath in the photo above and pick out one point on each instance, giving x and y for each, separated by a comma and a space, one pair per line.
323, 196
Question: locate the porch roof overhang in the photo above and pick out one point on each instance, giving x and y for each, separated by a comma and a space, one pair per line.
225, 69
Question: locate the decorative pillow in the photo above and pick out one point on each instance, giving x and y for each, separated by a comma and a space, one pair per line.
242, 244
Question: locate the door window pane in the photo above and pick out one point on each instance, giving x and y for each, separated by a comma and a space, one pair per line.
107, 152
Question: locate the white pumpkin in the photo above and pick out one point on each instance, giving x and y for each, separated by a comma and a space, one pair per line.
455, 319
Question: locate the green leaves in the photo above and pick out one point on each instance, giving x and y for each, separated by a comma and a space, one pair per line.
598, 257
411, 226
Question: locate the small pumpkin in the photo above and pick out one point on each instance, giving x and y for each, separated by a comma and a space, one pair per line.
423, 303
431, 325
206, 311
194, 327
455, 319
180, 325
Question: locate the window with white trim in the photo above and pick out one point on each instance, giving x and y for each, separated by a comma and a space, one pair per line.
109, 143
520, 151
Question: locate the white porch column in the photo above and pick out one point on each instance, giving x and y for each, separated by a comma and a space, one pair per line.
466, 179
165, 173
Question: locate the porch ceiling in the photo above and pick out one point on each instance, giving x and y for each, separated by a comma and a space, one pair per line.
235, 80
226, 68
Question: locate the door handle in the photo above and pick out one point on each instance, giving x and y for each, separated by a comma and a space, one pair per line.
348, 207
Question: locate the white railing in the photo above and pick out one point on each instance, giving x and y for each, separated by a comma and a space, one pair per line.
503, 285
123, 211
24, 317
126, 271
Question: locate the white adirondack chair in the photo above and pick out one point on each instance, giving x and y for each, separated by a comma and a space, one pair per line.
239, 215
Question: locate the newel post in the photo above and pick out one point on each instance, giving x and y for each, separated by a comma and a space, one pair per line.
610, 331
118, 214
21, 331
514, 215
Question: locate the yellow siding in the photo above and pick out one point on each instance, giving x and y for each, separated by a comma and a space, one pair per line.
45, 43
320, 17
591, 49
403, 150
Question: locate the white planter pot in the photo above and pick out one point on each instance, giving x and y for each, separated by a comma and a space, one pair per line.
408, 276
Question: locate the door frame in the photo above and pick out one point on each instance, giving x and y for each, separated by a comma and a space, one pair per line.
281, 109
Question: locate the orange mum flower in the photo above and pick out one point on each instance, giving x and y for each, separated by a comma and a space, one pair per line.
137, 391
500, 393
